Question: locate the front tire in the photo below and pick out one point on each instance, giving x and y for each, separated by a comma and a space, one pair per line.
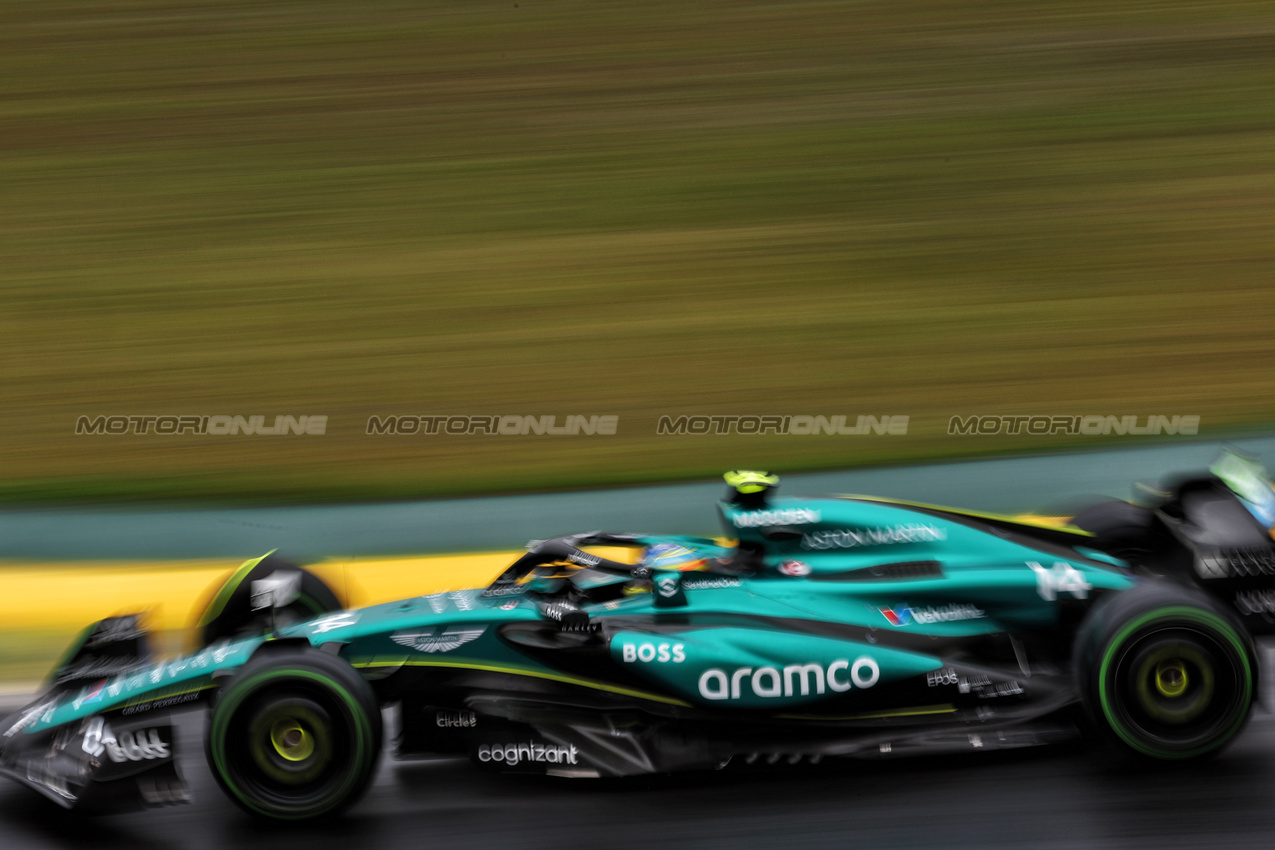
1165, 674
295, 736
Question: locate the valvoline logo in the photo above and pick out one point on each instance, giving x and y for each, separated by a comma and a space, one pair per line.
928, 615
900, 617
89, 695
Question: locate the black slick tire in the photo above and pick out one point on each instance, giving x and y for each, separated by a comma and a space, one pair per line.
296, 735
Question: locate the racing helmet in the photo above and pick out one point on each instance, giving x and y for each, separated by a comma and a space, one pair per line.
672, 556
749, 488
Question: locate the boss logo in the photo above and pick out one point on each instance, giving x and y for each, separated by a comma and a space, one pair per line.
142, 745
660, 653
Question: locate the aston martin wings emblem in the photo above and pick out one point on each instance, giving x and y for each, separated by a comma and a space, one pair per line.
437, 641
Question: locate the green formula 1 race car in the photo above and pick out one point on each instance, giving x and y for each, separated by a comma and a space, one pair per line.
826, 627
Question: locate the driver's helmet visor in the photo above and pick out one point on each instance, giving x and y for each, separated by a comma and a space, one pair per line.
1248, 480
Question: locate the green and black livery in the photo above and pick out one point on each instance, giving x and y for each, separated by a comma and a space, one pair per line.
819, 628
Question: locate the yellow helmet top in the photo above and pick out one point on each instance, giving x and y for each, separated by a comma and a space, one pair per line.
747, 481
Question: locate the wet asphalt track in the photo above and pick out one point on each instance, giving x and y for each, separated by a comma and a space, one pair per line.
1040, 798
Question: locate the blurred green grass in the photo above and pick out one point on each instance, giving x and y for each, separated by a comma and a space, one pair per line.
28, 656
921, 208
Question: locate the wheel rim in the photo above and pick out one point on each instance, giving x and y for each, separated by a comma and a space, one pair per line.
1175, 682
1171, 678
291, 740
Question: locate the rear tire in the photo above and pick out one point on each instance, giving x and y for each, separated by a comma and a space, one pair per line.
1165, 674
295, 736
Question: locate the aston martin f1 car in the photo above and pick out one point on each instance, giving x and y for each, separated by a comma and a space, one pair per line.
819, 628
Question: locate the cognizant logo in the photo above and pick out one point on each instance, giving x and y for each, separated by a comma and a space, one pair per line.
512, 754
771, 682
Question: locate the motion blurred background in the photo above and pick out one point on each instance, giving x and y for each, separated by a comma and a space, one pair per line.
912, 207
922, 208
